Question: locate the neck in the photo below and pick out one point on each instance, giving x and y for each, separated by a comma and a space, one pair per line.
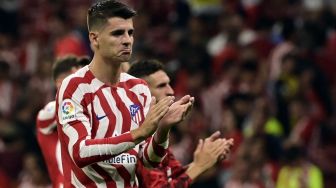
105, 70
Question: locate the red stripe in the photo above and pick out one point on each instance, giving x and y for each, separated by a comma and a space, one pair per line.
87, 99
108, 111
123, 172
45, 123
158, 150
152, 163
126, 137
73, 85
134, 98
82, 162
124, 111
131, 83
69, 166
107, 178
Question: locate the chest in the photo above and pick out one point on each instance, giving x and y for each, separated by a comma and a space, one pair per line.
115, 111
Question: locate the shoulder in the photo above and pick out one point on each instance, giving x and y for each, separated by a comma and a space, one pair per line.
78, 82
81, 76
124, 77
130, 81
48, 112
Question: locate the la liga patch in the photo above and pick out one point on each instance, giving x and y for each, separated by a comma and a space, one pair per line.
68, 111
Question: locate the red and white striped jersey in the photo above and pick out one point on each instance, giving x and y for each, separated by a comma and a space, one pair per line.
94, 123
47, 138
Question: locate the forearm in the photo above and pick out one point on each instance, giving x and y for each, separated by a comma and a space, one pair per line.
161, 135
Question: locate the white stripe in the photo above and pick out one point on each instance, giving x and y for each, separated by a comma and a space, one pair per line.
104, 123
131, 168
78, 95
112, 103
89, 107
144, 160
50, 129
104, 149
151, 154
59, 156
127, 101
73, 138
112, 171
141, 88
94, 176
48, 112
75, 181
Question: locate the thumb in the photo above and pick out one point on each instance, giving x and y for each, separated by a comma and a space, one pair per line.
199, 146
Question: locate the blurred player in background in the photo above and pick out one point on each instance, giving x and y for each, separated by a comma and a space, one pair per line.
170, 172
47, 135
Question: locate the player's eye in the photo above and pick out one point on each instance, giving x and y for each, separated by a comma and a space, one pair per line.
117, 32
131, 32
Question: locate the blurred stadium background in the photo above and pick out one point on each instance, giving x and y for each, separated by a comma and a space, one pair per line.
262, 71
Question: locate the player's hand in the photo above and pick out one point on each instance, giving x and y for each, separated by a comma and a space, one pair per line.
156, 111
177, 112
209, 151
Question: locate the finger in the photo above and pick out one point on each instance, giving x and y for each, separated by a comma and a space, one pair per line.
160, 108
185, 99
214, 136
191, 106
186, 108
219, 146
168, 100
165, 102
221, 157
192, 100
160, 113
230, 142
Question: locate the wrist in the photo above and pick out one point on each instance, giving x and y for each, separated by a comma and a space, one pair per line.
161, 135
138, 135
194, 170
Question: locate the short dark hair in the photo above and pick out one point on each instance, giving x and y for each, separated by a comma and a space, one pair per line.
146, 67
65, 64
100, 12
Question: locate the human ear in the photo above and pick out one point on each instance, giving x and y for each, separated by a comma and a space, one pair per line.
93, 36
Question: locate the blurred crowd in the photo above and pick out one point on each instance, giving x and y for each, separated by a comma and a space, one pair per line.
262, 72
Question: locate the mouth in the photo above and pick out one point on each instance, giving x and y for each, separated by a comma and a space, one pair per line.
125, 51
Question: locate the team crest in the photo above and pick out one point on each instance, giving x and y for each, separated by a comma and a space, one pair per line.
135, 113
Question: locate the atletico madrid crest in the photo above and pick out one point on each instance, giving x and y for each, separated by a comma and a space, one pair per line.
135, 113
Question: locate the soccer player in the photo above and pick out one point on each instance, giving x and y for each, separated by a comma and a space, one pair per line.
170, 172
107, 120
47, 136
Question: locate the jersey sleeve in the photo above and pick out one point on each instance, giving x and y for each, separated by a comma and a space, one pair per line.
46, 119
170, 174
75, 124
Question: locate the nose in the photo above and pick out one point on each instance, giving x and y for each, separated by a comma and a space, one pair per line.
170, 91
127, 39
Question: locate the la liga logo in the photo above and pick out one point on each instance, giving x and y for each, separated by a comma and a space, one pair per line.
68, 111
67, 107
